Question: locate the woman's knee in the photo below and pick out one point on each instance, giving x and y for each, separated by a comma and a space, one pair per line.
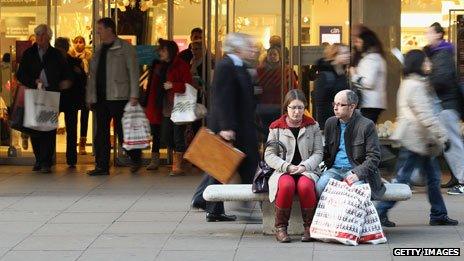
286, 184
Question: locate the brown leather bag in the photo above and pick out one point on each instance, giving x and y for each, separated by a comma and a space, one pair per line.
213, 155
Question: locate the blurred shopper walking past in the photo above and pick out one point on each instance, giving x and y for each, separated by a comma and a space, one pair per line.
232, 113
71, 99
443, 78
168, 76
113, 82
79, 51
332, 78
43, 67
369, 74
270, 80
421, 135
298, 170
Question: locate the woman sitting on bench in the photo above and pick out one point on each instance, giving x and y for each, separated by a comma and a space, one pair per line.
299, 172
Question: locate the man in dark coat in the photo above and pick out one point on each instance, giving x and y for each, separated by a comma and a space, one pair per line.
444, 80
43, 66
351, 151
231, 115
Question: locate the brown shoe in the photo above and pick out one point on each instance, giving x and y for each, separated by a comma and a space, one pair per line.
281, 224
154, 162
307, 214
177, 158
82, 143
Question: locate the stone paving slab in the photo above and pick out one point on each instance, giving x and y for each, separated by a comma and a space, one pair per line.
42, 255
71, 216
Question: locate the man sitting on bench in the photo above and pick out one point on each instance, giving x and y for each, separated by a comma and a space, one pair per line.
351, 150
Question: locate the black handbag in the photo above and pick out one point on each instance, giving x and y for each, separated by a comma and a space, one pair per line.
264, 172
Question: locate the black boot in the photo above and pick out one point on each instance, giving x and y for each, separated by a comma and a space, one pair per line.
385, 221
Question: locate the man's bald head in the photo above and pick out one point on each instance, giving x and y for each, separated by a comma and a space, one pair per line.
345, 103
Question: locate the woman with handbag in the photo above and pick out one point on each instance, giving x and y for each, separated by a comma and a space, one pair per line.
299, 171
168, 76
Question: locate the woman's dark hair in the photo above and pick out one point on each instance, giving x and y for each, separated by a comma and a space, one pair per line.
6, 58
371, 42
295, 94
170, 46
413, 61
438, 29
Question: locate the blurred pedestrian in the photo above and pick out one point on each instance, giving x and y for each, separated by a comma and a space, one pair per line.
332, 78
369, 75
231, 114
195, 35
444, 80
270, 80
422, 137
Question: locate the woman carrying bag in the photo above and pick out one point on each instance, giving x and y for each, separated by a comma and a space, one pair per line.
299, 171
167, 77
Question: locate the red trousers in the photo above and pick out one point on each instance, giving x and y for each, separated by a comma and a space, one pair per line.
289, 184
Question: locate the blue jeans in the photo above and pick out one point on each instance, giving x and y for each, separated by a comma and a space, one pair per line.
333, 173
407, 162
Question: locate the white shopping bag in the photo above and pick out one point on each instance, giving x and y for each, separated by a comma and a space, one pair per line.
344, 215
41, 109
185, 104
136, 128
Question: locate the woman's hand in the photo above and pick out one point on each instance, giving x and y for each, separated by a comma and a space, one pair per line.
298, 170
167, 85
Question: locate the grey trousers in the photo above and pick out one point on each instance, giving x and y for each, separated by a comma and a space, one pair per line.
455, 155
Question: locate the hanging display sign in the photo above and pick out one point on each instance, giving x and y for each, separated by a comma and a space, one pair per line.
330, 34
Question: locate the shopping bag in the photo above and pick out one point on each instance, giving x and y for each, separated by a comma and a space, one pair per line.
136, 128
185, 105
340, 213
372, 232
41, 109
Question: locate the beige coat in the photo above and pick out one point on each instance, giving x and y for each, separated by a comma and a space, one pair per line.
310, 147
419, 129
122, 73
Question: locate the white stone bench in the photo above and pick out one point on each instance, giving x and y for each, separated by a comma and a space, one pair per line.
243, 192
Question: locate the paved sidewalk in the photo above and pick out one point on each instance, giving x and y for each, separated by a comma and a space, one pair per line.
70, 216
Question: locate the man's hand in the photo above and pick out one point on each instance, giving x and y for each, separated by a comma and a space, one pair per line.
352, 178
228, 135
298, 170
133, 101
167, 85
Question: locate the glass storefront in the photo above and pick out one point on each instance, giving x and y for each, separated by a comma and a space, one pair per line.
303, 26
